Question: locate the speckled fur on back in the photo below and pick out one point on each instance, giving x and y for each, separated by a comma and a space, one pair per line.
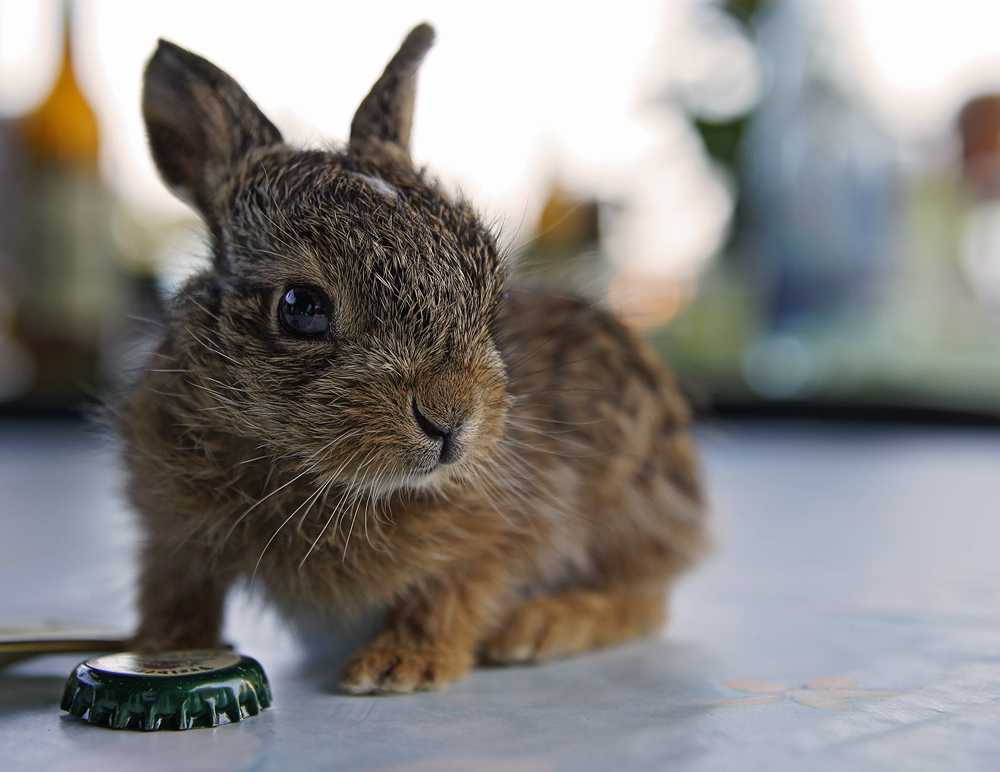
352, 407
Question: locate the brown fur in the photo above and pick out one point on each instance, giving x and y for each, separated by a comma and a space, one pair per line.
573, 501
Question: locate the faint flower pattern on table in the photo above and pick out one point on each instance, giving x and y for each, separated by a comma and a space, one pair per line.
828, 693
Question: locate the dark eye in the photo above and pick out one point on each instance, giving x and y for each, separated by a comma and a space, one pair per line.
304, 311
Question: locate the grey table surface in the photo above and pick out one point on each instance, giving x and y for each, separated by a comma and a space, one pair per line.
849, 619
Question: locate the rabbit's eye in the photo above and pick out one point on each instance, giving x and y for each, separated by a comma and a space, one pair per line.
304, 311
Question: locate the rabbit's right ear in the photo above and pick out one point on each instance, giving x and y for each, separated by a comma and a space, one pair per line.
200, 124
386, 114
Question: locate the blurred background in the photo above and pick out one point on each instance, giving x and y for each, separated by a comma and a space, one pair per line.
798, 201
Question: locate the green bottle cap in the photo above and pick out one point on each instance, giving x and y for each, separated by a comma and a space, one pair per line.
184, 689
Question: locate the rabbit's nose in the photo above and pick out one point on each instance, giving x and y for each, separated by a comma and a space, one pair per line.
450, 450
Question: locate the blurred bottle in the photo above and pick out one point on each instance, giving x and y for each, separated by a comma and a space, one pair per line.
979, 126
820, 196
566, 253
820, 180
16, 368
71, 282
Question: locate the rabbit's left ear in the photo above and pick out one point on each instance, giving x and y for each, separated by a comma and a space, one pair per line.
386, 114
200, 124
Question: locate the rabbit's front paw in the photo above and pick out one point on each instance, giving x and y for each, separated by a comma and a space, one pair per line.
385, 668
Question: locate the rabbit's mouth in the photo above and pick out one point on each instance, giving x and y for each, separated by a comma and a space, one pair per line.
432, 476
431, 479
442, 467
426, 470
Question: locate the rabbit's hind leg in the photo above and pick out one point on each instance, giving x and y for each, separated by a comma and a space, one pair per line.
553, 626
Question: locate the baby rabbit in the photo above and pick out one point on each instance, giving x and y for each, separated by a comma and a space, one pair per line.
353, 409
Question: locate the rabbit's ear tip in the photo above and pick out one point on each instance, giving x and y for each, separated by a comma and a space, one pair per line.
422, 34
417, 42
164, 46
169, 55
